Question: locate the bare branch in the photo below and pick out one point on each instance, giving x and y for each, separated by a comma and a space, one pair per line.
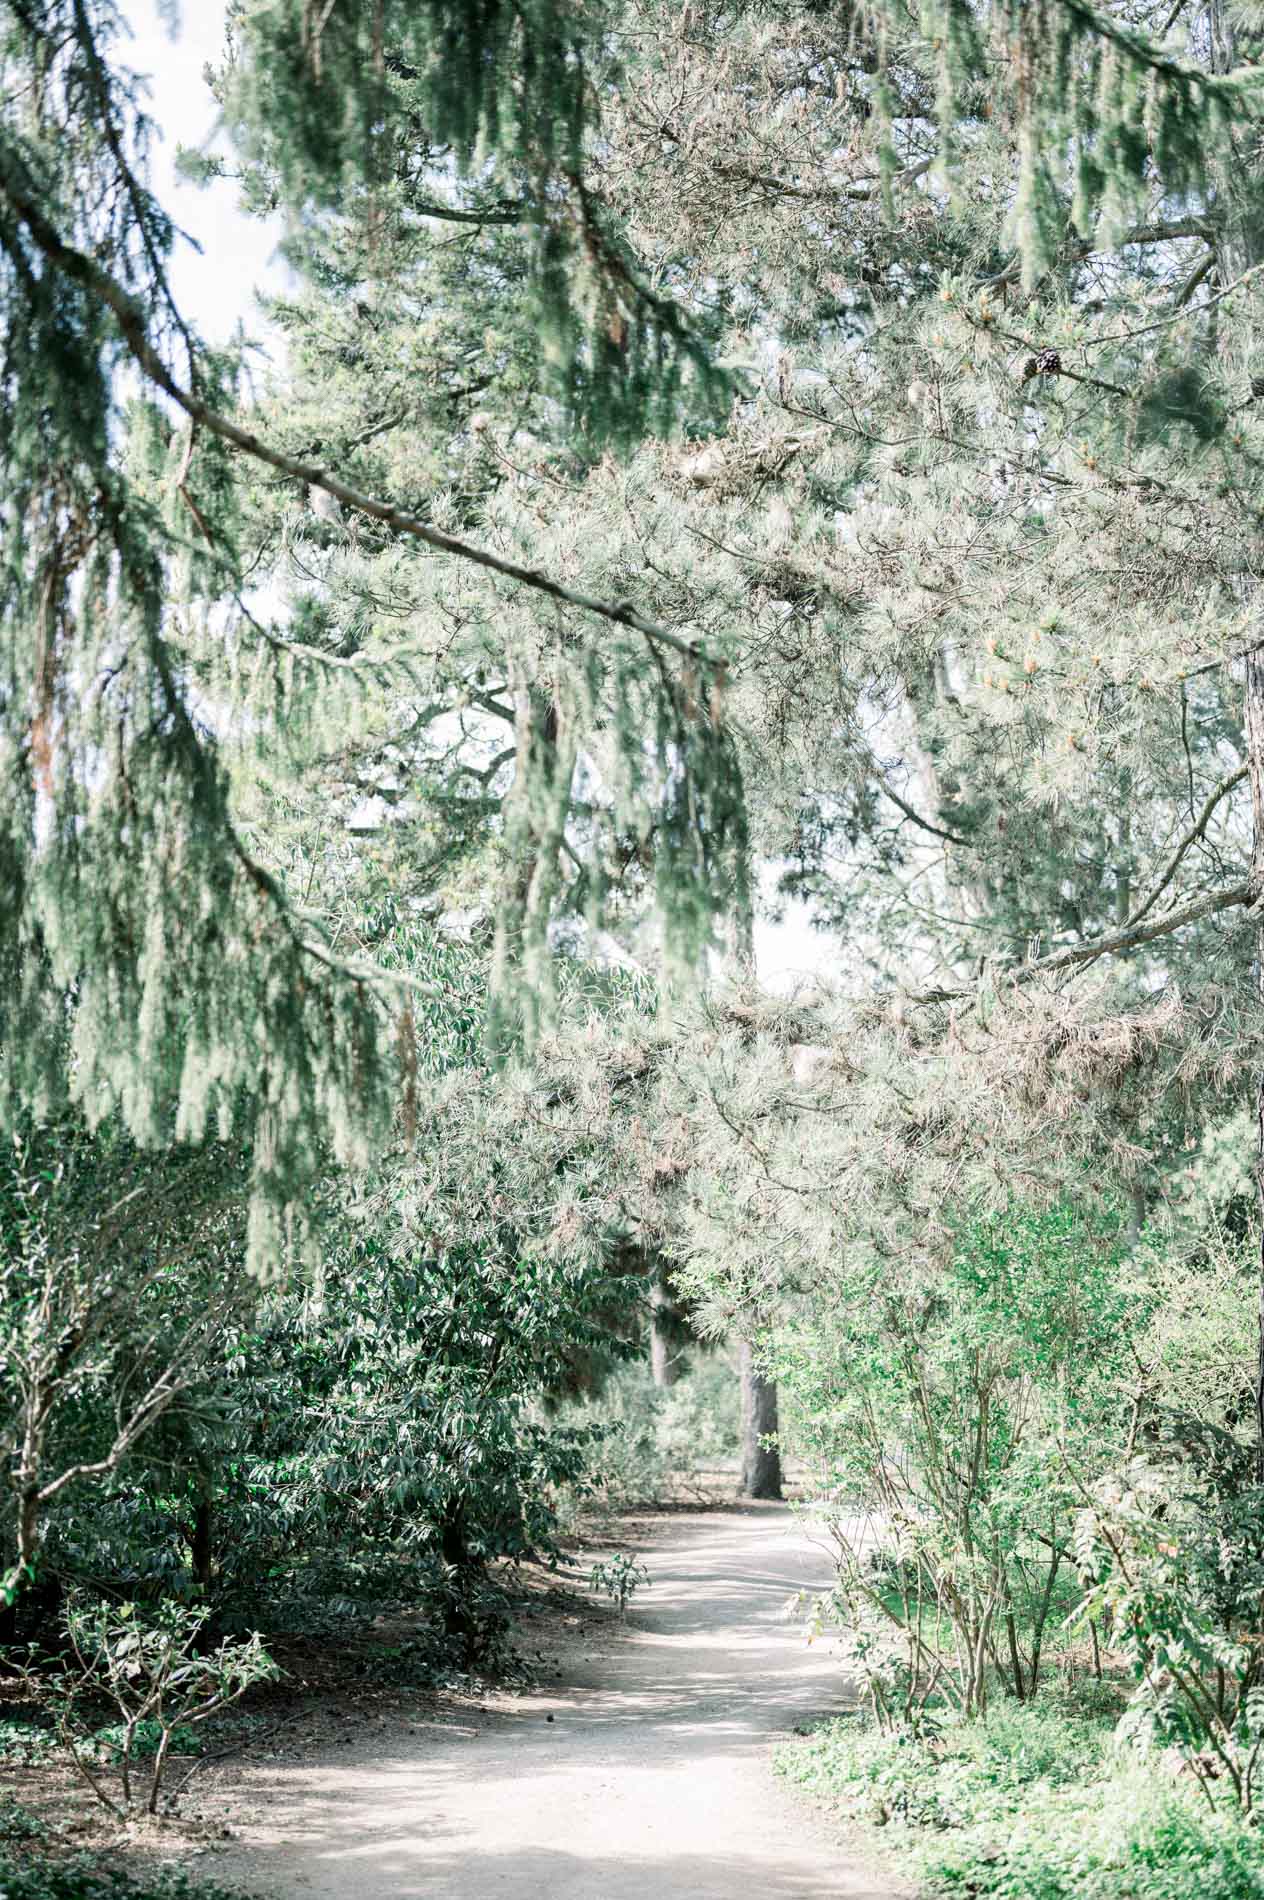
1118, 945
1191, 837
951, 837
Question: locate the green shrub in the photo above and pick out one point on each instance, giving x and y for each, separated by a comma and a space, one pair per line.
18, 1823
648, 1442
84, 1879
1132, 1835
1035, 1802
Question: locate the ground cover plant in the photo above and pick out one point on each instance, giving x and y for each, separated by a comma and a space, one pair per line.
1032, 1802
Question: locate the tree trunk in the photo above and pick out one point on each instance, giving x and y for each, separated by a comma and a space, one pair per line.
761, 1463
1241, 247
459, 1620
202, 1543
667, 1360
1255, 761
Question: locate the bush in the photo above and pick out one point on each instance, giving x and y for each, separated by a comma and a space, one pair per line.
82, 1879
648, 1442
1032, 1803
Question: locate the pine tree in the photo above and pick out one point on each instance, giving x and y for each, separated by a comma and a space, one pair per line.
151, 962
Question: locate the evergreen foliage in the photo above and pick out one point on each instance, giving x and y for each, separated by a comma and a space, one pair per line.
152, 964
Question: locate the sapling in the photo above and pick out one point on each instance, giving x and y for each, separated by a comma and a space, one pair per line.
148, 1666
619, 1576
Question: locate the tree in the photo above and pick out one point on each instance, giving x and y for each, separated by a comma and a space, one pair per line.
761, 1453
148, 955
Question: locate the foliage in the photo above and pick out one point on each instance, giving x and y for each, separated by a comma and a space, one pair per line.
645, 1444
116, 1275
148, 954
620, 1577
951, 1428
150, 1667
1030, 1803
1175, 1572
84, 1878
18, 1823
940, 616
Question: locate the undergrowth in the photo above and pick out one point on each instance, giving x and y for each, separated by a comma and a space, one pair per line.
85, 1879
1032, 1802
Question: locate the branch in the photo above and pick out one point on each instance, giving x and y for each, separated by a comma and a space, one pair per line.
1166, 231
1191, 837
951, 837
1118, 945
129, 315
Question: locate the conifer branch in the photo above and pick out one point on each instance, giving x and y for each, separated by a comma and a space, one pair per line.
128, 314
1161, 231
1191, 837
1118, 945
950, 837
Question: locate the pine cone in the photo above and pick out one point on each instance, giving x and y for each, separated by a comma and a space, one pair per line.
1045, 363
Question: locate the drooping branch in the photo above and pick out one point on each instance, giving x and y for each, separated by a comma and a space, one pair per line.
89, 275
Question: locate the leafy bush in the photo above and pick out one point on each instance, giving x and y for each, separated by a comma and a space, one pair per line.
620, 1577
952, 1431
1032, 1803
1176, 1565
647, 1442
149, 1667
84, 1879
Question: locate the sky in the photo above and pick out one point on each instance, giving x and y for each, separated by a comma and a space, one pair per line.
215, 287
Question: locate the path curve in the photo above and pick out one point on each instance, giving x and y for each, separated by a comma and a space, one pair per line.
652, 1781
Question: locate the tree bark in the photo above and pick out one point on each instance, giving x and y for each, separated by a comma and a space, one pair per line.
1239, 248
667, 1359
761, 1462
202, 1543
1255, 761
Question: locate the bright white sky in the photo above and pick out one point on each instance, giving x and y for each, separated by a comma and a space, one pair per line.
215, 288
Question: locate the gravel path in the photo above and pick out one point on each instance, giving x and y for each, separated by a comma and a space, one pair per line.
651, 1781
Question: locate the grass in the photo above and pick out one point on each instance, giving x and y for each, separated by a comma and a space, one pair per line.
1032, 1803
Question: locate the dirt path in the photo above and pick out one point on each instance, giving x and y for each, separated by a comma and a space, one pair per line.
651, 1781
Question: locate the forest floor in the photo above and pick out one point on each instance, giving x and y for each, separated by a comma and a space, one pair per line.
642, 1770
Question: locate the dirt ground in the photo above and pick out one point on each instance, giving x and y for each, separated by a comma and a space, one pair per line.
640, 1770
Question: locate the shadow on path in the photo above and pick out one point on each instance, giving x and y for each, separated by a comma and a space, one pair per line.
651, 1782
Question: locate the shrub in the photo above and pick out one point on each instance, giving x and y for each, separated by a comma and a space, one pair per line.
83, 1879
149, 1667
1032, 1803
648, 1442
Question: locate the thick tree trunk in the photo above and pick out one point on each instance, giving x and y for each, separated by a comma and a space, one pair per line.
761, 1463
1241, 246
